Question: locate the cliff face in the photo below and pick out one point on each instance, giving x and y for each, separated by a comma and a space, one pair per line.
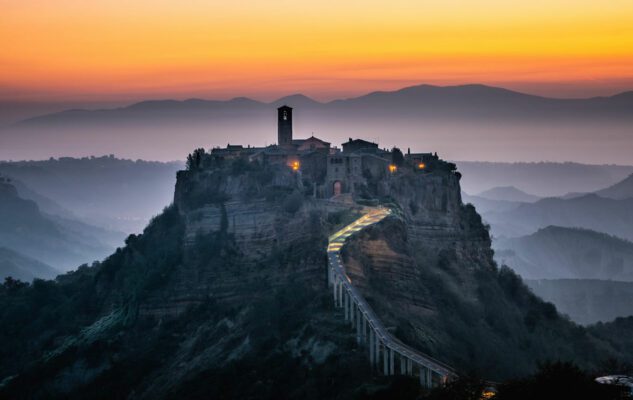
429, 272
272, 235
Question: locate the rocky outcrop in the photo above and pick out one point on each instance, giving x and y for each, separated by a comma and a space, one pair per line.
429, 273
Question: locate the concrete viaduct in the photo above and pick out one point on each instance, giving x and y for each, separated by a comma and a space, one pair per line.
386, 352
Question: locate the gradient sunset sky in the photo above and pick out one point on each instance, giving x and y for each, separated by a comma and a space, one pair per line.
126, 50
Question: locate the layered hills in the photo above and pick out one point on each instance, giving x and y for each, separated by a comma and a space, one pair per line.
453, 120
558, 252
39, 241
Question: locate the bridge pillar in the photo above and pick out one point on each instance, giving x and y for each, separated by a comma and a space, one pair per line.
402, 366
372, 348
385, 362
346, 306
340, 294
409, 367
426, 377
335, 292
392, 366
358, 327
352, 309
377, 350
364, 338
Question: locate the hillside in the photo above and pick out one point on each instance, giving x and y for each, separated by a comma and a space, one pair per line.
24, 268
115, 194
224, 295
485, 206
620, 190
590, 211
568, 253
452, 120
587, 301
544, 179
508, 193
61, 243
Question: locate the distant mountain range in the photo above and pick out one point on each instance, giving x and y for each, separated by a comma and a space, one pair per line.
478, 101
460, 122
591, 211
619, 191
586, 301
508, 193
37, 245
115, 194
19, 266
567, 253
542, 179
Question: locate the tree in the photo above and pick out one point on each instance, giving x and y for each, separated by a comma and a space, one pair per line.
397, 157
194, 160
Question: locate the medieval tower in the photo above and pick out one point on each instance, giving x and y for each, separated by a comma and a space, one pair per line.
284, 126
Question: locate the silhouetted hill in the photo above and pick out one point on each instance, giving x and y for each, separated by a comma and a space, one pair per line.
61, 243
469, 121
570, 253
19, 266
508, 193
614, 217
44, 203
544, 179
621, 190
298, 101
485, 205
115, 194
463, 101
586, 301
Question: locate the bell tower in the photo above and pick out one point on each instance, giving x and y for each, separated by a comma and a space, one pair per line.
284, 126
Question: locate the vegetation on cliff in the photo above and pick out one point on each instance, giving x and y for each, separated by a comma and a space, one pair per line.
224, 295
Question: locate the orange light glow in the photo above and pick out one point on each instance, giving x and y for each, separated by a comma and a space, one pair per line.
392, 168
421, 165
295, 165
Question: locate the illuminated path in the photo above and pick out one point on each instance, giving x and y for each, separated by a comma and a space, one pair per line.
396, 356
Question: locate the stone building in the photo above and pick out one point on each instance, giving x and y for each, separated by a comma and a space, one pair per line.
330, 171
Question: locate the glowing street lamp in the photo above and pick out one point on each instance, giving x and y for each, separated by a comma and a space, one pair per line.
421, 165
295, 165
392, 168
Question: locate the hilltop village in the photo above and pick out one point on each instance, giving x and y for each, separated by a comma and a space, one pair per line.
329, 171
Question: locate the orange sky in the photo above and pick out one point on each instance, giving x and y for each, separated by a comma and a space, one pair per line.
54, 50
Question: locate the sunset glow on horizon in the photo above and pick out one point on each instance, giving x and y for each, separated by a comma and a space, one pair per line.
117, 50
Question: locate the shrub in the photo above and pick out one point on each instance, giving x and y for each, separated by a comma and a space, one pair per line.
293, 203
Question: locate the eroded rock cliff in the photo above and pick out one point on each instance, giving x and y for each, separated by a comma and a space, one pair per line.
430, 274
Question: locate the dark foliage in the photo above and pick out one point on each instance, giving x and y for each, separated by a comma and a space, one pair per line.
293, 203
47, 310
463, 388
558, 381
397, 157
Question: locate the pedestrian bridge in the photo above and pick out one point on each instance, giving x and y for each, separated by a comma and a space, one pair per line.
386, 352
